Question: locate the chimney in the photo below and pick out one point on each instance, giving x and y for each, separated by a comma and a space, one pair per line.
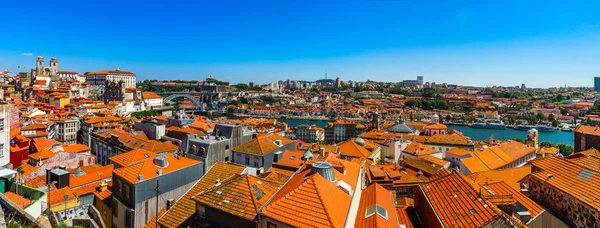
322, 151
141, 177
103, 186
170, 203
48, 175
62, 167
278, 142
80, 163
159, 172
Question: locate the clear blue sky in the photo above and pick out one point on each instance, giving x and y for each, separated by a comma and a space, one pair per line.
539, 43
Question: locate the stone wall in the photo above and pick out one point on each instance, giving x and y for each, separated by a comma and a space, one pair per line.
566, 207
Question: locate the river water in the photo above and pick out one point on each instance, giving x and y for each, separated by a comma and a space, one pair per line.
558, 137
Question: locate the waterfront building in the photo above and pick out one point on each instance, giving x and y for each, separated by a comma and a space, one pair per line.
309, 133
586, 137
342, 130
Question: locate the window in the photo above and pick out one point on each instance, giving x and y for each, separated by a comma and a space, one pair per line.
256, 164
271, 225
227, 147
247, 161
371, 210
200, 210
115, 207
2, 124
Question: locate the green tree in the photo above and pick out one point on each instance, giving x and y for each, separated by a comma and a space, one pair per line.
517, 139
548, 144
448, 118
551, 117
588, 121
241, 86
565, 150
540, 116
512, 120
230, 110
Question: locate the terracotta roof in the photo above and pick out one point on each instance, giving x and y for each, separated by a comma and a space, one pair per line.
182, 213
57, 196
496, 157
418, 149
151, 95
352, 149
34, 127
437, 126
502, 188
317, 202
588, 130
567, 177
262, 144
512, 176
407, 217
117, 71
458, 151
131, 157
91, 175
457, 204
139, 141
239, 195
18, 200
149, 170
434, 160
76, 148
371, 197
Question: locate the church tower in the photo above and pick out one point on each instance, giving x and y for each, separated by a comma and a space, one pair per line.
39, 65
53, 66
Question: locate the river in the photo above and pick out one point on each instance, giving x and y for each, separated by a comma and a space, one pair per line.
478, 134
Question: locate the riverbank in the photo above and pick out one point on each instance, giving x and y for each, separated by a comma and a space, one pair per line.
478, 134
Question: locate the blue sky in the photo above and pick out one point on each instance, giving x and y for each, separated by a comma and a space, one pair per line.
539, 43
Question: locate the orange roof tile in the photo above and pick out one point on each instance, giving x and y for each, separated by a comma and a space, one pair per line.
512, 176
91, 175
182, 213
457, 204
352, 149
18, 200
131, 157
502, 188
315, 203
262, 144
240, 195
418, 149
148, 170
57, 196
376, 195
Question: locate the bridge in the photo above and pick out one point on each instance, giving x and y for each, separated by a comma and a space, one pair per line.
205, 97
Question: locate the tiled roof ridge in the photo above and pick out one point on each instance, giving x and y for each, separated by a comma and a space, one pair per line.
223, 182
490, 205
317, 190
256, 208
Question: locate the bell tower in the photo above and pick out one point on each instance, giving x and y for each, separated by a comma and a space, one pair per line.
53, 66
39, 65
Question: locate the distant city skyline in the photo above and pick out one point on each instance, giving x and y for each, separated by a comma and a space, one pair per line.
538, 43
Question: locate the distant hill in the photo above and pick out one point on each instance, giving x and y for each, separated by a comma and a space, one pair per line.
325, 81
